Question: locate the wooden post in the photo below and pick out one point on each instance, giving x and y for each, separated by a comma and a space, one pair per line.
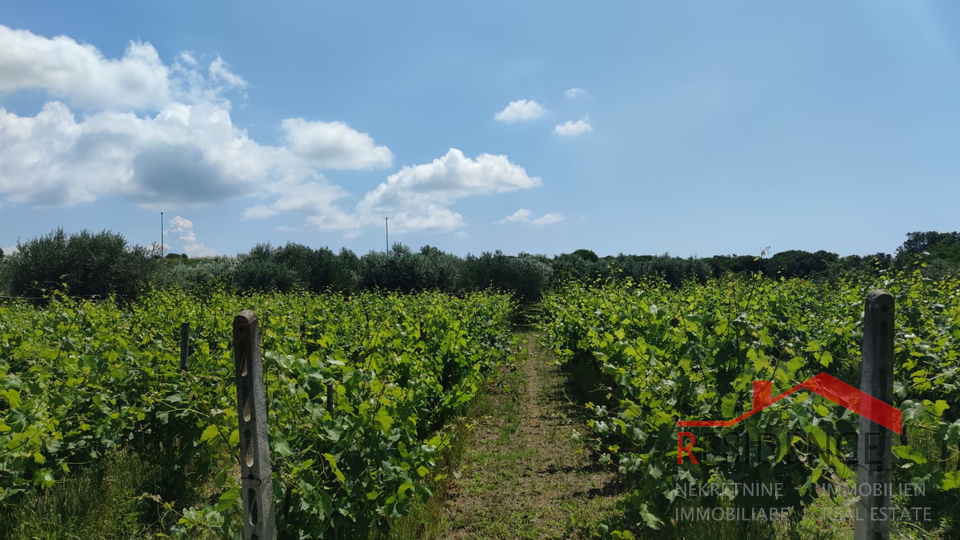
184, 345
330, 397
874, 454
259, 521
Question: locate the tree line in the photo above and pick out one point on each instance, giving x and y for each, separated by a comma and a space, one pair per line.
103, 264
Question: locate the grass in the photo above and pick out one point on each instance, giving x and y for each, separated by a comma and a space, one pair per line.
520, 475
125, 495
102, 501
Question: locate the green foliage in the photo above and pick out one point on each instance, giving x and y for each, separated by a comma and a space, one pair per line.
692, 353
737, 264
525, 276
197, 276
267, 268
673, 270
102, 500
586, 255
797, 263
81, 380
84, 264
392, 271
944, 246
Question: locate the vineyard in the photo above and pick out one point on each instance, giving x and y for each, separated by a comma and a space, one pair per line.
367, 392
82, 380
663, 355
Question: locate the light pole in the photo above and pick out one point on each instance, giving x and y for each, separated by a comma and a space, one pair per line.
386, 224
161, 235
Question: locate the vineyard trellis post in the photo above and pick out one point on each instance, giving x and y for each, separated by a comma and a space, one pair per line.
874, 445
259, 520
184, 345
330, 397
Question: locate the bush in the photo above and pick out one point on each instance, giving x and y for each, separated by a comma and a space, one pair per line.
261, 270
84, 264
436, 270
527, 277
799, 264
393, 271
198, 276
673, 270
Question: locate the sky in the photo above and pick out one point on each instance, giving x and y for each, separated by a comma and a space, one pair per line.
689, 128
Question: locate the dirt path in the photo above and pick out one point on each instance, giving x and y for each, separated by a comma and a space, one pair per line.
523, 476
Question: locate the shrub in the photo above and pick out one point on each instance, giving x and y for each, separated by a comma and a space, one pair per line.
437, 270
260, 270
198, 276
526, 276
586, 255
393, 271
87, 264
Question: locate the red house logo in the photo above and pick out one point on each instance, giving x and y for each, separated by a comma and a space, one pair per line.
824, 385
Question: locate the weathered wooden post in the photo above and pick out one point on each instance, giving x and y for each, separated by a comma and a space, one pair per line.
184, 345
259, 522
874, 454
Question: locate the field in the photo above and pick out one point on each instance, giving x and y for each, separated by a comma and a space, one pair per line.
661, 355
85, 382
443, 426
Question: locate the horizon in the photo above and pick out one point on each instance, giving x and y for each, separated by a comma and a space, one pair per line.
640, 129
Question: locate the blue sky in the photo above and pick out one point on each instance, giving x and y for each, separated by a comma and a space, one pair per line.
696, 128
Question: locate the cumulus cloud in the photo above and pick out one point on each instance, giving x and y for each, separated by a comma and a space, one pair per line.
159, 134
183, 154
572, 129
548, 219
520, 111
79, 74
335, 145
191, 247
520, 215
9, 250
574, 93
309, 197
523, 216
418, 198
219, 71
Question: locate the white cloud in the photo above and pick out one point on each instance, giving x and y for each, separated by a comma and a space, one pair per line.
190, 245
572, 129
219, 71
523, 216
334, 145
309, 197
9, 250
520, 111
160, 134
548, 219
80, 74
520, 215
184, 154
574, 93
188, 58
185, 150
417, 198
